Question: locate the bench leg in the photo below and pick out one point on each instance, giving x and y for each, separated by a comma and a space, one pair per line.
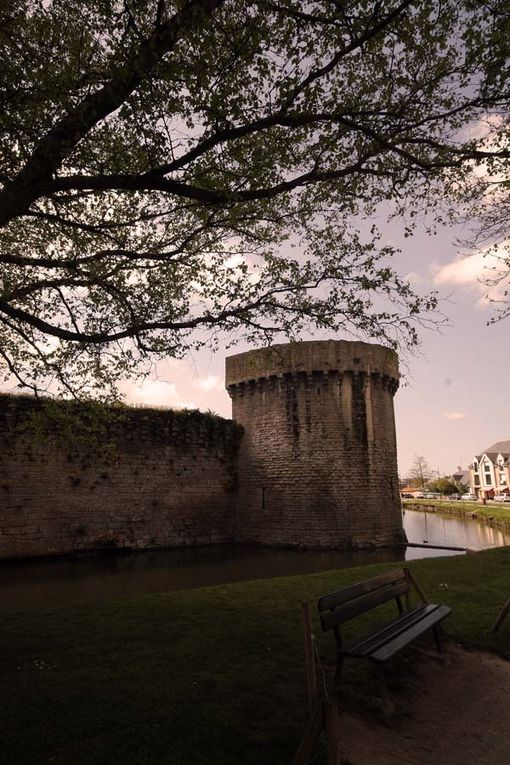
310, 736
437, 639
441, 654
387, 705
332, 729
338, 668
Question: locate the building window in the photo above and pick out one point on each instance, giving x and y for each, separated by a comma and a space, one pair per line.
488, 480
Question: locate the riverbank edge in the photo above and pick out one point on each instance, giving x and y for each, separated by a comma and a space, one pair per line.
488, 514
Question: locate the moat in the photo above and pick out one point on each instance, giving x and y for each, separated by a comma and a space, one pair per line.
43, 583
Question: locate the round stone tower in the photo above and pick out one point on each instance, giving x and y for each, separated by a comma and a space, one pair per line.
318, 459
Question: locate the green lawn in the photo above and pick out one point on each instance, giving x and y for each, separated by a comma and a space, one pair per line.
211, 676
499, 512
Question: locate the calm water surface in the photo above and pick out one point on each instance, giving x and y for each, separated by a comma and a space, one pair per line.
437, 529
30, 584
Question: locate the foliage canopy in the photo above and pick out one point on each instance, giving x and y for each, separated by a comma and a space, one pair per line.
446, 486
175, 170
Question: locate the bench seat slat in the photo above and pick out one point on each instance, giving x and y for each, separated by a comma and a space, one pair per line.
362, 604
362, 648
333, 599
400, 641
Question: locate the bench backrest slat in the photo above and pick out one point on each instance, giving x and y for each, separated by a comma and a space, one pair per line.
334, 599
362, 604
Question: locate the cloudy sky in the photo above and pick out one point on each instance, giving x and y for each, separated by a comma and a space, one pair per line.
453, 401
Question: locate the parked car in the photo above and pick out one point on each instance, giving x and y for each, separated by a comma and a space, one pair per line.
501, 498
469, 497
418, 495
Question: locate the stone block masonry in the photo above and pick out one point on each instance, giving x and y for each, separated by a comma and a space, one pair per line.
318, 462
78, 477
309, 461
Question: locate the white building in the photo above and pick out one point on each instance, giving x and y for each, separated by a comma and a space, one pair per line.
489, 472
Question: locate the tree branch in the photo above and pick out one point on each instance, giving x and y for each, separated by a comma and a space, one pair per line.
59, 142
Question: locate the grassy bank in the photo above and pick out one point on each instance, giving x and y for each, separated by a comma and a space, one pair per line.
498, 514
198, 677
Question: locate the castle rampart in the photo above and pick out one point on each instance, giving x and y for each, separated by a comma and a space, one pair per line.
314, 463
317, 462
78, 477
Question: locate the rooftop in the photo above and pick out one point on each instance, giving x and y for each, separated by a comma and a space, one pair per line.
500, 447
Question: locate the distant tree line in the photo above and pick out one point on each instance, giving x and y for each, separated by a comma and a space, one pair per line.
421, 477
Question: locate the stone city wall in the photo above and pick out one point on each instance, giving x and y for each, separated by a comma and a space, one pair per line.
310, 460
76, 477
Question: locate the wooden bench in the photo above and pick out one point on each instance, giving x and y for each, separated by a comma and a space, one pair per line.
389, 638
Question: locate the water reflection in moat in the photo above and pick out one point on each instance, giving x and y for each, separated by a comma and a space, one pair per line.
437, 529
29, 584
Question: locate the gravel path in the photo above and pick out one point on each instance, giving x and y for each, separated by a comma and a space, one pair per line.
454, 715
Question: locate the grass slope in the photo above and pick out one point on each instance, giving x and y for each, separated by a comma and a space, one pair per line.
211, 676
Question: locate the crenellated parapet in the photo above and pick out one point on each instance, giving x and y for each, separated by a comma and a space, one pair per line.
311, 360
309, 380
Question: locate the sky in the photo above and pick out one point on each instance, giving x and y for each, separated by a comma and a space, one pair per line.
453, 398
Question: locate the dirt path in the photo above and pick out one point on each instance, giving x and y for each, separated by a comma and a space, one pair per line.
454, 715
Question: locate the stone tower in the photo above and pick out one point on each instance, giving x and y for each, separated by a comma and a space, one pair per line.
318, 459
